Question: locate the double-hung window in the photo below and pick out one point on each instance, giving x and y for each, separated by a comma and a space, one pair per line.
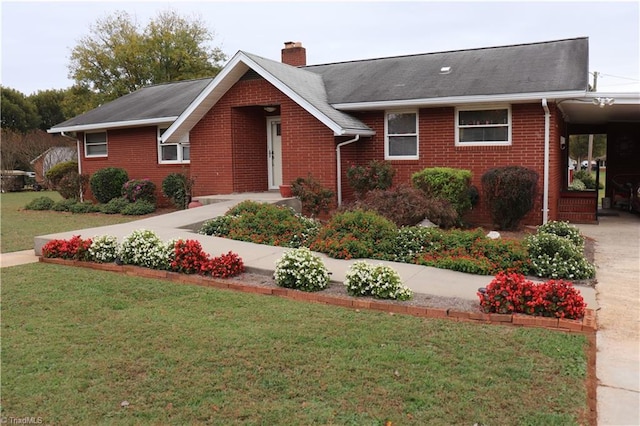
95, 144
401, 135
173, 153
483, 126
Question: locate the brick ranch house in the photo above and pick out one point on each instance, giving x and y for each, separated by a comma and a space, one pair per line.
261, 123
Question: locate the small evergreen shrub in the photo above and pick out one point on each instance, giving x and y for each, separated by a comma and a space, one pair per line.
356, 234
114, 206
177, 188
40, 203
103, 249
447, 184
314, 197
577, 185
106, 184
138, 208
60, 170
379, 281
71, 185
144, 248
587, 178
510, 194
300, 269
553, 256
139, 190
375, 175
563, 229
63, 205
86, 207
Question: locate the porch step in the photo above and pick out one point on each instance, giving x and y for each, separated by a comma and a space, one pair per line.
578, 217
576, 209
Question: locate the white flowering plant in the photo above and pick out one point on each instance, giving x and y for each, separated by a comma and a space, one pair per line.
302, 270
379, 281
144, 248
554, 256
103, 249
563, 229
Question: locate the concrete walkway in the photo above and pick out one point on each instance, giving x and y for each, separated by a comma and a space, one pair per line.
617, 259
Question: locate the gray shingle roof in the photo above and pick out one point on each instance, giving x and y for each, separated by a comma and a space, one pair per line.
528, 68
310, 87
162, 100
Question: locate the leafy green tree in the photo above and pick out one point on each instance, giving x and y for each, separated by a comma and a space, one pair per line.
119, 57
579, 147
49, 106
18, 113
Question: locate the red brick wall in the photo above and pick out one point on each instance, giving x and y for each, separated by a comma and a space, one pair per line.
136, 151
437, 149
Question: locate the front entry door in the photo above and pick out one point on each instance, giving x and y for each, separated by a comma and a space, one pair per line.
274, 152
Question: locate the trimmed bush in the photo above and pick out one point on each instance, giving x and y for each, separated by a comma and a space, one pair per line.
139, 190
71, 185
86, 207
447, 184
356, 234
114, 206
63, 205
375, 175
510, 194
106, 184
57, 172
314, 197
40, 203
553, 256
139, 208
379, 281
177, 188
301, 270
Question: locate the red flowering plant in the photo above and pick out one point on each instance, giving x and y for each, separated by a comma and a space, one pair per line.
188, 257
76, 248
511, 293
224, 266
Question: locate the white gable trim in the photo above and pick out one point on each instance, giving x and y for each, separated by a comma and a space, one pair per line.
229, 75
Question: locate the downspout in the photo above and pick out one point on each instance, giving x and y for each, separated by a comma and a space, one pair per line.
79, 162
547, 129
340, 145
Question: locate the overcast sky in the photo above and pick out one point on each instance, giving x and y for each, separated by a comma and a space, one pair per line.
37, 37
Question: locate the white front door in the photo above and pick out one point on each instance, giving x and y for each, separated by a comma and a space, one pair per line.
274, 152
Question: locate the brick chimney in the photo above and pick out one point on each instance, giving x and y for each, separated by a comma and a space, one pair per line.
294, 54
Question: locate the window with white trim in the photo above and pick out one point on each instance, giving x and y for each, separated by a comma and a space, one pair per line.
173, 153
483, 126
401, 135
95, 144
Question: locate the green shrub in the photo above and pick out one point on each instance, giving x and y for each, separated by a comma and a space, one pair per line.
106, 184
63, 205
379, 281
577, 185
114, 206
57, 172
177, 188
587, 178
302, 270
447, 184
139, 208
72, 185
139, 189
553, 256
412, 241
40, 203
375, 175
86, 207
356, 234
563, 229
263, 223
315, 198
510, 194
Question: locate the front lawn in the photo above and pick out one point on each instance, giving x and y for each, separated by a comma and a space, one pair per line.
77, 343
20, 226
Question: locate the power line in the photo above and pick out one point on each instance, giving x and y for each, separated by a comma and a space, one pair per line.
617, 76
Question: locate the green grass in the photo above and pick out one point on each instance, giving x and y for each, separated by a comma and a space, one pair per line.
76, 343
19, 226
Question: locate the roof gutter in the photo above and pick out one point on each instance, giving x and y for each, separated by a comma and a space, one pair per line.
545, 195
339, 168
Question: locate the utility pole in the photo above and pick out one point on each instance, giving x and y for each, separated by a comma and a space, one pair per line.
595, 80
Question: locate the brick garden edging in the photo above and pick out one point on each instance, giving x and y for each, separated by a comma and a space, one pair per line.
586, 325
